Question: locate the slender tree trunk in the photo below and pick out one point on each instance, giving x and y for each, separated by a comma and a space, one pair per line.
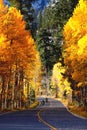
13, 89
6, 91
47, 81
21, 86
28, 95
3, 93
56, 91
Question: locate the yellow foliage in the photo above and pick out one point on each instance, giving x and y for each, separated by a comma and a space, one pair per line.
1, 2
17, 47
59, 80
2, 39
75, 43
82, 43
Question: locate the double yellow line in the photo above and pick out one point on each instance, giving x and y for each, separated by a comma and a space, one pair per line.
42, 120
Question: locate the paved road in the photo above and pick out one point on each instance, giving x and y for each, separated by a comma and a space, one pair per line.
51, 116
55, 114
23, 120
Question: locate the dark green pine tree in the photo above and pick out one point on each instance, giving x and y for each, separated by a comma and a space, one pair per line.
28, 12
53, 18
49, 52
14, 3
62, 11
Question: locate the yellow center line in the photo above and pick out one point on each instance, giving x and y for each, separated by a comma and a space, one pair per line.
42, 120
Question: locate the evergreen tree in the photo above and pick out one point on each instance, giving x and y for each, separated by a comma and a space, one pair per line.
52, 20
56, 15
48, 51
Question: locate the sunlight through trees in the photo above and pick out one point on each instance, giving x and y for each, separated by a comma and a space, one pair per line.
18, 59
60, 82
75, 48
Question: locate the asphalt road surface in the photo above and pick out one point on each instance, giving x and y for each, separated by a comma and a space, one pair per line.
51, 116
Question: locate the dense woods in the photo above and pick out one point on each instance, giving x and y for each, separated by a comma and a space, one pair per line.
47, 48
66, 23
75, 50
19, 60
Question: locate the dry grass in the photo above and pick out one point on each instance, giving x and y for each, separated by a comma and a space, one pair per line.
75, 108
78, 110
34, 105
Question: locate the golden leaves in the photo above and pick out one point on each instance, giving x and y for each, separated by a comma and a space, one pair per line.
75, 47
1, 3
58, 79
15, 39
82, 43
19, 60
2, 39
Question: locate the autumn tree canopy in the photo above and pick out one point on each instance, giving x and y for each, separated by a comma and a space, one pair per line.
18, 55
19, 40
59, 82
75, 43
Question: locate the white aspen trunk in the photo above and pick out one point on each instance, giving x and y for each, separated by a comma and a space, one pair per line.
3, 93
20, 101
12, 103
5, 102
35, 81
17, 104
28, 95
2, 106
6, 95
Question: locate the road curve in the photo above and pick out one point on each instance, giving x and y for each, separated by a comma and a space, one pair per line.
51, 116
21, 120
54, 114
